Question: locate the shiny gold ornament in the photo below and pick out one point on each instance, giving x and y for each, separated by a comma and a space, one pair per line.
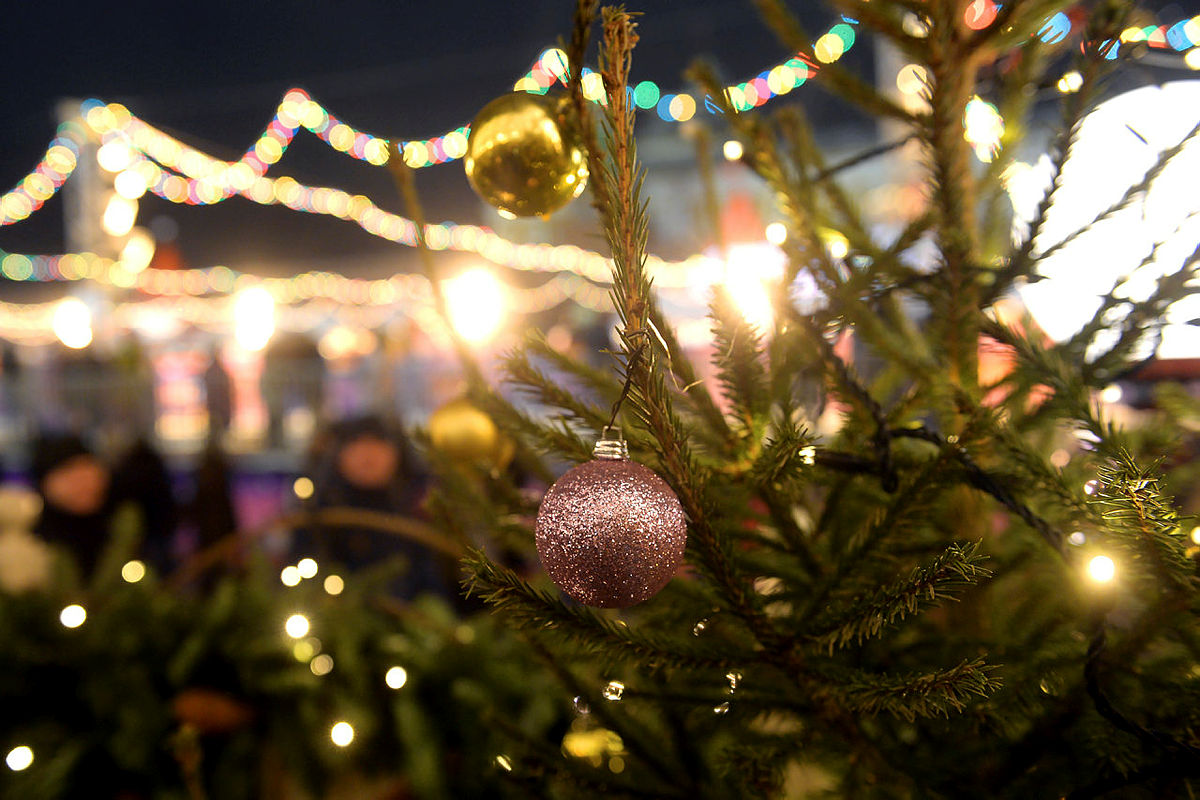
465, 434
522, 158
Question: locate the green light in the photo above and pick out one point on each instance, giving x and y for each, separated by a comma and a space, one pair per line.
646, 94
845, 33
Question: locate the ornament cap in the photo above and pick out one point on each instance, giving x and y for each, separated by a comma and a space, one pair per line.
610, 446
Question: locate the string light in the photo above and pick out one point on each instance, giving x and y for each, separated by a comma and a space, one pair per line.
395, 677
73, 616
334, 585
289, 576
296, 626
19, 758
1101, 569
133, 571
342, 734
307, 567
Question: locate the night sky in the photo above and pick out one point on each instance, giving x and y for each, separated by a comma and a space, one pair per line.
213, 73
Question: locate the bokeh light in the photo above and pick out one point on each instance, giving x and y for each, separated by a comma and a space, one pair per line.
73, 616
19, 758
1101, 569
341, 734
296, 626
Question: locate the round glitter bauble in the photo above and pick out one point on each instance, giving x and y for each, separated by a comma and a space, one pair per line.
610, 532
464, 433
521, 157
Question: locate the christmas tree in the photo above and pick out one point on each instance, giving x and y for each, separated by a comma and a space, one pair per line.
975, 581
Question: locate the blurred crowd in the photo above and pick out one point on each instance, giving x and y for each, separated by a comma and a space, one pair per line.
363, 467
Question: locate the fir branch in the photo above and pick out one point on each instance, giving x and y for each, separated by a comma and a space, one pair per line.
1144, 520
626, 225
598, 380
531, 609
550, 437
530, 379
958, 566
910, 696
738, 357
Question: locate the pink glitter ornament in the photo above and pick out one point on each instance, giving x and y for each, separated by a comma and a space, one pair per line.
610, 533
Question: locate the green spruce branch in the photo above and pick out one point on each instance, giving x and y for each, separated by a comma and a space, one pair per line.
540, 612
910, 696
956, 568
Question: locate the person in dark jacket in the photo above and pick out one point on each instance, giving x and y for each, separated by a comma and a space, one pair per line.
142, 479
76, 500
366, 465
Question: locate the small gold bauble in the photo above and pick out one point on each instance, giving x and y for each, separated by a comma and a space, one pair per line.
463, 433
521, 157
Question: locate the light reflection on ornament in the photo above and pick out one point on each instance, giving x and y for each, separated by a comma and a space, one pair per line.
613, 690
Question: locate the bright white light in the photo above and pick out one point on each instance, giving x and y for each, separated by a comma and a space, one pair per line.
776, 233
751, 273
1196, 535
732, 150
307, 567
133, 571
1192, 59
114, 156
334, 584
1101, 569
72, 616
138, 250
1070, 83
72, 323
289, 576
130, 184
342, 734
476, 301
296, 626
1118, 142
396, 677
253, 317
1111, 394
19, 758
982, 127
119, 215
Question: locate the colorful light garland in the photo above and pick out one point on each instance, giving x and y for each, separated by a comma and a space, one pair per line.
147, 159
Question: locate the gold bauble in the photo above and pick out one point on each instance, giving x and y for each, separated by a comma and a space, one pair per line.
521, 157
462, 432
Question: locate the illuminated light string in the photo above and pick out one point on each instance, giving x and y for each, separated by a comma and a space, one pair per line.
206, 299
211, 180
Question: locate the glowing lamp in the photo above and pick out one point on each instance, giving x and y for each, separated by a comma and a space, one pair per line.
72, 323
476, 304
253, 318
